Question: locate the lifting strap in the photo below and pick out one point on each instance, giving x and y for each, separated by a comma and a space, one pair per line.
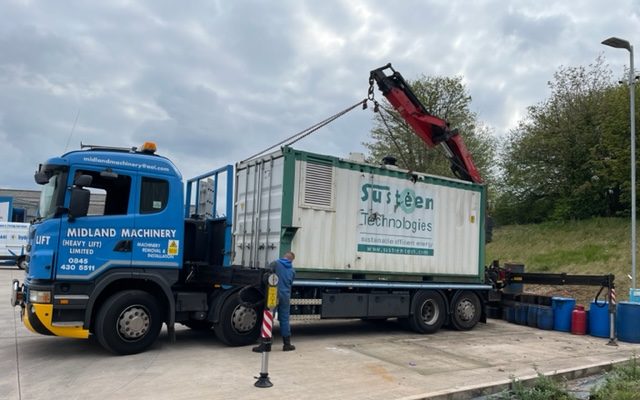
306, 132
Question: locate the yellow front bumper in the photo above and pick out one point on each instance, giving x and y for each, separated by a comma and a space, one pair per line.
41, 315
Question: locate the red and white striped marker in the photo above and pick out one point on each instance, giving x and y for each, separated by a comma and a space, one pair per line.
612, 296
612, 317
267, 324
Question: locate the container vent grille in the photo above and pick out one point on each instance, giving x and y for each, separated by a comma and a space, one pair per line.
318, 186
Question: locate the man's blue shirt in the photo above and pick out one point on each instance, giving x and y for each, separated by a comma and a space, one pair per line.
286, 274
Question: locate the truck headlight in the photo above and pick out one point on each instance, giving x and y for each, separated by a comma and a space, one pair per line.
39, 296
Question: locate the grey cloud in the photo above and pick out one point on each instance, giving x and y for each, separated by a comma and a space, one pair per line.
213, 82
534, 30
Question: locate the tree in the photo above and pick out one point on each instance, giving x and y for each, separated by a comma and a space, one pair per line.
443, 97
566, 159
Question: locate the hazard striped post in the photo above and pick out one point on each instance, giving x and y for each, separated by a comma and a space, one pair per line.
612, 316
267, 324
267, 329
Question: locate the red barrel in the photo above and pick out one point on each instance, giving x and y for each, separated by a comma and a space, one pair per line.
579, 321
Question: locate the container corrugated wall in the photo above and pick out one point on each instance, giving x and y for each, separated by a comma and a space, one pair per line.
348, 219
258, 210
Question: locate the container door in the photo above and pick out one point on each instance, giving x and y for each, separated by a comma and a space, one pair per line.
258, 210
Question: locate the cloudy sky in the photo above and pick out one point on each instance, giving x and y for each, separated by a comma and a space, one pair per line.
213, 82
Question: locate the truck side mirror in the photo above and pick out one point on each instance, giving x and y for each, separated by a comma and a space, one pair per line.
41, 178
79, 202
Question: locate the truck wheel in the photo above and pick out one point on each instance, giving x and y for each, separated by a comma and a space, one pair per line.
21, 262
128, 322
238, 325
466, 311
428, 312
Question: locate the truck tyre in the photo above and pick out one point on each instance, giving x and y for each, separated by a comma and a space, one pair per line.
128, 322
237, 324
428, 312
466, 310
21, 262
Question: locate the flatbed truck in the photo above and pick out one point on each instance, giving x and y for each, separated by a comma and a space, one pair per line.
371, 241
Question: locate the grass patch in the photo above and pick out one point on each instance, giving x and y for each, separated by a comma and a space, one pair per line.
622, 383
585, 254
542, 388
598, 246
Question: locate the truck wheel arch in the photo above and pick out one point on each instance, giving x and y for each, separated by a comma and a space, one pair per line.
122, 280
251, 294
216, 304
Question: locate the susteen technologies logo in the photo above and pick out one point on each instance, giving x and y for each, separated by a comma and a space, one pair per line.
395, 220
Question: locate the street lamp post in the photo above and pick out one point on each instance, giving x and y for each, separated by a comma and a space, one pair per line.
624, 44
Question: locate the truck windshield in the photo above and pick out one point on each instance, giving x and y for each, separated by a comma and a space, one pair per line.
50, 196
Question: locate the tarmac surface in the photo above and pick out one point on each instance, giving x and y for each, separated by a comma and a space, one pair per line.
333, 360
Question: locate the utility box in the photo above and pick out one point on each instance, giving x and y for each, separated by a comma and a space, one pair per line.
353, 220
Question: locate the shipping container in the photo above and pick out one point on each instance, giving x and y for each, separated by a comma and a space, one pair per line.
344, 219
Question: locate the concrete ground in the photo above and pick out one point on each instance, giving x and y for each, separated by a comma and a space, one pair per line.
333, 360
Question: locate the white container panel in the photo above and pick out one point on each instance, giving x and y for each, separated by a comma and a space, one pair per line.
258, 211
373, 233
325, 239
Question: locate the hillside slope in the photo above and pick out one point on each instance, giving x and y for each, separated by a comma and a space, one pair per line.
596, 246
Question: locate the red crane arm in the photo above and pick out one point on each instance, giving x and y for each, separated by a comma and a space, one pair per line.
432, 130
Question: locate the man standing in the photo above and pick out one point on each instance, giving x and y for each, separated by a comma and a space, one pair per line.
286, 274
283, 267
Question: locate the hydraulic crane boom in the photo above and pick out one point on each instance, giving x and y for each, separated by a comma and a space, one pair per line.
432, 130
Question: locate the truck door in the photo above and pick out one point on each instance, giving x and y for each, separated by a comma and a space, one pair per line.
159, 226
95, 243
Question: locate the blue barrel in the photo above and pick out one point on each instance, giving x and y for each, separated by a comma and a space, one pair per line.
518, 313
545, 318
628, 322
599, 319
511, 314
532, 315
562, 309
522, 314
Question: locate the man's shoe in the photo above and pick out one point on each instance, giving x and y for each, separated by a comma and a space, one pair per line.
287, 344
261, 348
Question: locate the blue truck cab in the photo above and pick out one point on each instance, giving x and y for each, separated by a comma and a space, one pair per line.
112, 255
